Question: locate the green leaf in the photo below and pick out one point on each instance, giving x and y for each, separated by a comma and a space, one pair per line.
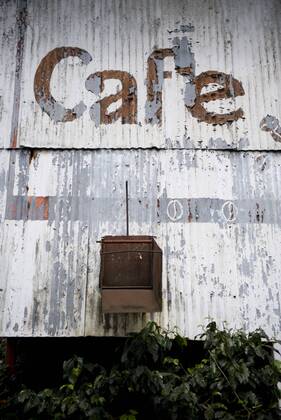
171, 361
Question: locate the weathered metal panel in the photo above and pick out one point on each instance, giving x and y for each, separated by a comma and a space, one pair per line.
10, 67
43, 278
158, 78
4, 171
126, 74
216, 216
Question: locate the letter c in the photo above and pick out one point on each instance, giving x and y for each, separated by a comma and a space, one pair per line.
42, 80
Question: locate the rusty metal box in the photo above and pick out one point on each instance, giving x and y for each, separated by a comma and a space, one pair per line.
131, 274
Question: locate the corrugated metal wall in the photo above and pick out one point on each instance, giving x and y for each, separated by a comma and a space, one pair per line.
215, 212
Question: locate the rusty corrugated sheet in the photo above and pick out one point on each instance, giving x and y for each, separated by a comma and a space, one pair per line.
167, 57
145, 83
9, 38
216, 215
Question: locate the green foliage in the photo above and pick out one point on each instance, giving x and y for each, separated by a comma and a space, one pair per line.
237, 379
8, 387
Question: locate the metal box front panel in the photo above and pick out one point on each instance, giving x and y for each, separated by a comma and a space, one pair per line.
126, 262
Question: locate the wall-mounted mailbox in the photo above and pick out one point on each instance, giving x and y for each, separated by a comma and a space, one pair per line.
131, 274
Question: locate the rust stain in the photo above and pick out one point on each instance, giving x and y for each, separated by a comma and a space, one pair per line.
154, 87
167, 74
184, 71
33, 155
14, 139
41, 207
42, 80
43, 202
13, 209
20, 28
131, 274
231, 88
128, 94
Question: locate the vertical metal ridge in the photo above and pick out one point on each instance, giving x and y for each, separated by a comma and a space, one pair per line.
21, 29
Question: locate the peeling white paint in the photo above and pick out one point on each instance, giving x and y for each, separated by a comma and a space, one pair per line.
216, 212
217, 264
8, 43
238, 38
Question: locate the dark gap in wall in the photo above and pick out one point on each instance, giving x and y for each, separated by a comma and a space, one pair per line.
39, 361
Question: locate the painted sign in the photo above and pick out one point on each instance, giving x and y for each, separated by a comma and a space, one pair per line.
226, 87
142, 85
163, 77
